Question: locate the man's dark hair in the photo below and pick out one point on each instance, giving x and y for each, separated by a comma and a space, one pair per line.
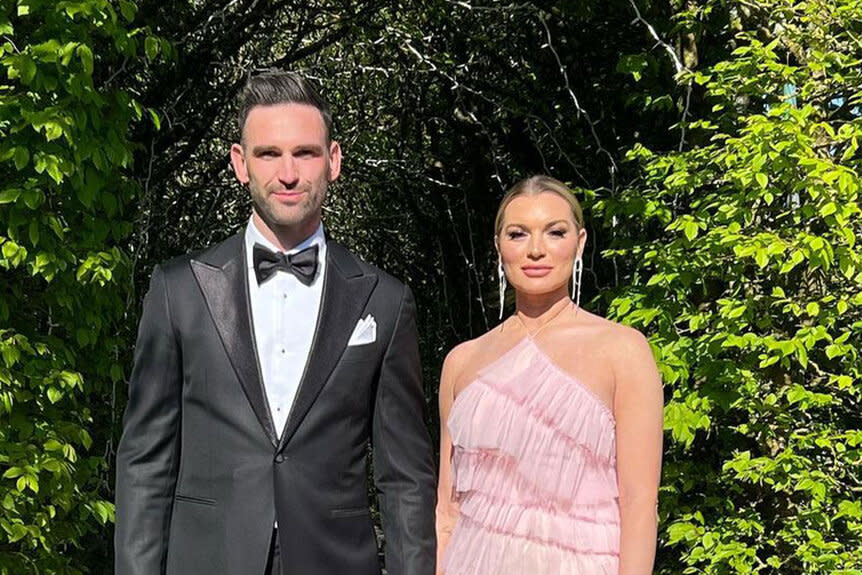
275, 87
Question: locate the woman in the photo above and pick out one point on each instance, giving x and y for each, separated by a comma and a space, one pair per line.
551, 432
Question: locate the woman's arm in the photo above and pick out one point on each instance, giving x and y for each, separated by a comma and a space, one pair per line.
447, 510
638, 407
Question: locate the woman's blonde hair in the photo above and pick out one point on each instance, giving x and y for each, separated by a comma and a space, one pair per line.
533, 186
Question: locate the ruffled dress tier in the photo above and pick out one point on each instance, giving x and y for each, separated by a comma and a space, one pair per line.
533, 472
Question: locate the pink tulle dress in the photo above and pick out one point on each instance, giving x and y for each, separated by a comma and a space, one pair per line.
533, 472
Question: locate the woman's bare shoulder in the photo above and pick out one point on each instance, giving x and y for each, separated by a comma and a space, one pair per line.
615, 343
454, 364
605, 331
466, 359
460, 354
627, 348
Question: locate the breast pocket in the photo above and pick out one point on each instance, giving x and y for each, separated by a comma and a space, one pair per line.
368, 352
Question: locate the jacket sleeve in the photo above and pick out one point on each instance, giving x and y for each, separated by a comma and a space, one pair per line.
148, 453
403, 456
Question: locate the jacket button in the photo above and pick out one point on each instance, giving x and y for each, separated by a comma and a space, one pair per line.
279, 458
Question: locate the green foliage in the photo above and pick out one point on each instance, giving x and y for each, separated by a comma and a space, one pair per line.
65, 209
745, 265
737, 254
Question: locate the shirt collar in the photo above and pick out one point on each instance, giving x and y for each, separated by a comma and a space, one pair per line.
254, 236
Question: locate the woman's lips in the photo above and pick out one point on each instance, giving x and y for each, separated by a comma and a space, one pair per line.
536, 271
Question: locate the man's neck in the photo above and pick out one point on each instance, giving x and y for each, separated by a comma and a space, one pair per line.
285, 238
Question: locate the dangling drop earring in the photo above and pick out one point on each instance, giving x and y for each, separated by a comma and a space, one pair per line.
501, 278
577, 272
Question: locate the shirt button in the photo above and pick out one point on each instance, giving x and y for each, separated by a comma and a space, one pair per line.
283, 351
279, 458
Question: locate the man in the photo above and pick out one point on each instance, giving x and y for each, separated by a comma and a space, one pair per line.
263, 366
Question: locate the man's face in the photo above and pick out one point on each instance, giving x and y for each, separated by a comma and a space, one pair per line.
287, 162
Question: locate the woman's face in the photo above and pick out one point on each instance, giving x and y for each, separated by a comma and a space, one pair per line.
538, 243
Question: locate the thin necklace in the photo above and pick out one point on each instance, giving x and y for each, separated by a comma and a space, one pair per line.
544, 325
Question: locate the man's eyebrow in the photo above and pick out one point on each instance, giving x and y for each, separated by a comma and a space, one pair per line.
257, 150
316, 148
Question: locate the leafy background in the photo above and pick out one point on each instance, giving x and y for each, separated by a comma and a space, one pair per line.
714, 144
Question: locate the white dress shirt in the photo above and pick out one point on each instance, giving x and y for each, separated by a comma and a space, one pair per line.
284, 315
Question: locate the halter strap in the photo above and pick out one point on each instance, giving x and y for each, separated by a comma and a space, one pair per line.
544, 325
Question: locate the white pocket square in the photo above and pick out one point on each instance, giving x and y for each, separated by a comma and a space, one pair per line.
365, 332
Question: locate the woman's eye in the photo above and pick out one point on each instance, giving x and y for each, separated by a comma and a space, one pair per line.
515, 235
558, 233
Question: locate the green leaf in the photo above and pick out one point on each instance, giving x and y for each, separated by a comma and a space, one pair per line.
151, 47
796, 394
690, 229
86, 440
828, 209
14, 472
17, 531
54, 394
794, 260
53, 445
21, 158
54, 172
9, 196
56, 226
762, 179
128, 10
833, 351
802, 355
33, 232
27, 70
53, 130
155, 117
33, 198
633, 64
14, 252
86, 55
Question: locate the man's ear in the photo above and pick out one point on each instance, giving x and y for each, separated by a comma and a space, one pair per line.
237, 160
334, 160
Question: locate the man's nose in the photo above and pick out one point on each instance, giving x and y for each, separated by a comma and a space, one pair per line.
287, 173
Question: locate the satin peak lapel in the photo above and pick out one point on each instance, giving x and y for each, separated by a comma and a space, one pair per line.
345, 292
226, 292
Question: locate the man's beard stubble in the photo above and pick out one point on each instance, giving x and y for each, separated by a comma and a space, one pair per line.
311, 204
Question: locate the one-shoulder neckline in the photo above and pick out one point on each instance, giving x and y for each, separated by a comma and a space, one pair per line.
528, 339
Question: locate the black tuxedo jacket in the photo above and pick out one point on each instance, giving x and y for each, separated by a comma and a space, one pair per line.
202, 474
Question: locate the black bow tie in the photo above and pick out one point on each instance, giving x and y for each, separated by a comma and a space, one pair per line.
302, 264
